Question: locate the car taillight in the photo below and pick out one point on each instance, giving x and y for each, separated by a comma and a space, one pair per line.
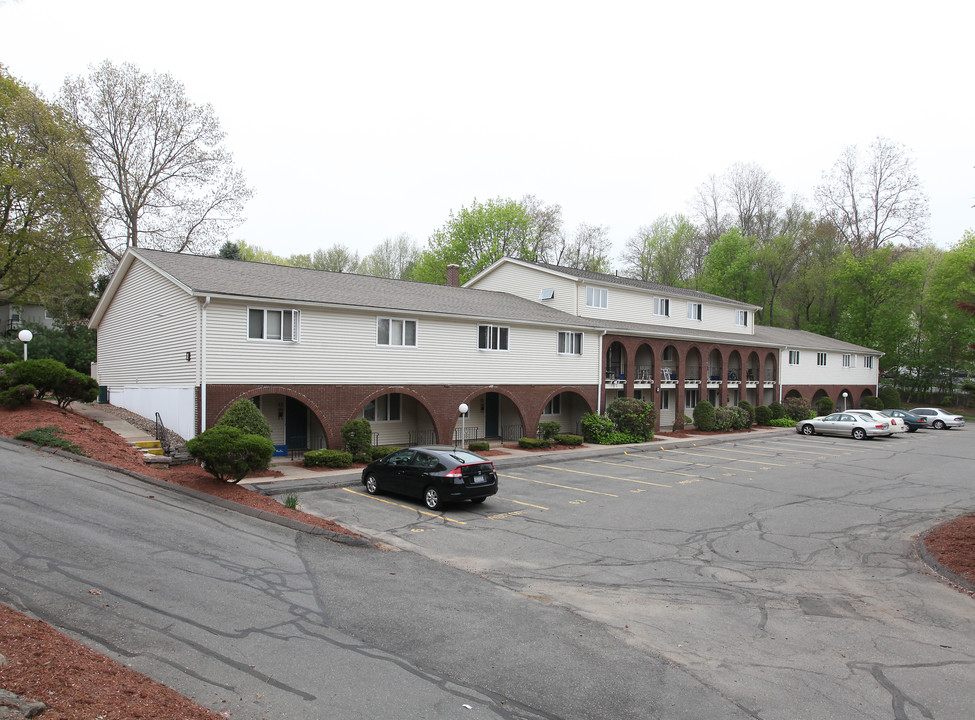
455, 473
880, 426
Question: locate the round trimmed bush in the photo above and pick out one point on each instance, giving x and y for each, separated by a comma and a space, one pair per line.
748, 408
777, 410
246, 417
704, 416
763, 416
230, 454
632, 417
824, 406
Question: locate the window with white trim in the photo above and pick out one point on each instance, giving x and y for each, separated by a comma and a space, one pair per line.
868, 362
661, 306
385, 408
271, 324
665, 400
395, 332
695, 311
570, 343
793, 357
597, 297
492, 337
821, 359
554, 406
690, 398
849, 361
741, 318
546, 294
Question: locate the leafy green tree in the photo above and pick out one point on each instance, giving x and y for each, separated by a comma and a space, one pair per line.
587, 249
730, 269
475, 237
165, 176
337, 258
73, 346
230, 251
45, 184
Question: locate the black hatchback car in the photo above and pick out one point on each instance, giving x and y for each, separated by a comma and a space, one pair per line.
436, 475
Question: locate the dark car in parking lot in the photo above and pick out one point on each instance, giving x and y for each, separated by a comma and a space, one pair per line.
437, 475
913, 422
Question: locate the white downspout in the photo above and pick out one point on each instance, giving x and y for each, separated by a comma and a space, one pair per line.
600, 382
203, 365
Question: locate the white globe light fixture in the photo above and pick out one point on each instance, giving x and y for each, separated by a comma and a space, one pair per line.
844, 399
25, 336
462, 408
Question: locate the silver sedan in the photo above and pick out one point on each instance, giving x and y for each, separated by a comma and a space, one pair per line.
847, 424
939, 419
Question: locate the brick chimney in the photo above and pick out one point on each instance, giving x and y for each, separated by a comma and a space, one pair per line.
453, 275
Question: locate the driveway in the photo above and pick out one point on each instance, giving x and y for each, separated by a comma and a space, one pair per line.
779, 571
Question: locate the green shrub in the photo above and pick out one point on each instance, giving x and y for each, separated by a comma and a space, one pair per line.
748, 408
824, 406
595, 428
680, 422
357, 436
777, 410
8, 356
548, 430
479, 446
566, 439
17, 396
377, 452
246, 417
633, 417
763, 416
871, 402
48, 436
704, 416
533, 443
730, 418
328, 458
42, 374
73, 385
890, 397
622, 438
797, 408
783, 422
230, 454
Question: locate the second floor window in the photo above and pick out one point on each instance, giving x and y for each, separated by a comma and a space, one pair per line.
492, 337
570, 343
868, 361
821, 359
695, 311
848, 361
396, 332
270, 324
793, 357
741, 318
597, 297
661, 306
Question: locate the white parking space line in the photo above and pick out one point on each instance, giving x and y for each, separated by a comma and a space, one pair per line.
610, 477
651, 469
564, 487
518, 502
412, 508
719, 457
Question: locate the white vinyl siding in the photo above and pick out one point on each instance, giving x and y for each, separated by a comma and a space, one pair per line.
338, 346
147, 330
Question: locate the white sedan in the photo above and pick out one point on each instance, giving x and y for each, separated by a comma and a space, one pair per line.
939, 419
897, 425
844, 423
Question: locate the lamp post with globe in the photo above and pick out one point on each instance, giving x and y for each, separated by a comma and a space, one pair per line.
25, 336
462, 408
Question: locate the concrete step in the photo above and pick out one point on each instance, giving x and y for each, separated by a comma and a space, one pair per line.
148, 447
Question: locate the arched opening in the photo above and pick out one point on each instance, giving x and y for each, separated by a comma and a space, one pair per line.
865, 394
399, 419
491, 416
734, 378
667, 398
771, 377
616, 362
644, 366
822, 403
693, 366
846, 401
715, 366
294, 427
566, 408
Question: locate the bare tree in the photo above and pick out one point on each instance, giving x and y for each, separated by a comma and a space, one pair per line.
392, 258
875, 199
337, 258
755, 198
587, 249
709, 208
662, 252
547, 228
166, 178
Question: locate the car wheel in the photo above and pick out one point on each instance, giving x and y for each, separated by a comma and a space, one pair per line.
808, 430
478, 501
912, 429
431, 496
372, 484
939, 425
859, 434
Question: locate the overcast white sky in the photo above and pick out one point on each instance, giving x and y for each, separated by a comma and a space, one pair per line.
357, 121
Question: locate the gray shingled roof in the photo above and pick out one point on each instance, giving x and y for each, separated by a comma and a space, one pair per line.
655, 288
252, 280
